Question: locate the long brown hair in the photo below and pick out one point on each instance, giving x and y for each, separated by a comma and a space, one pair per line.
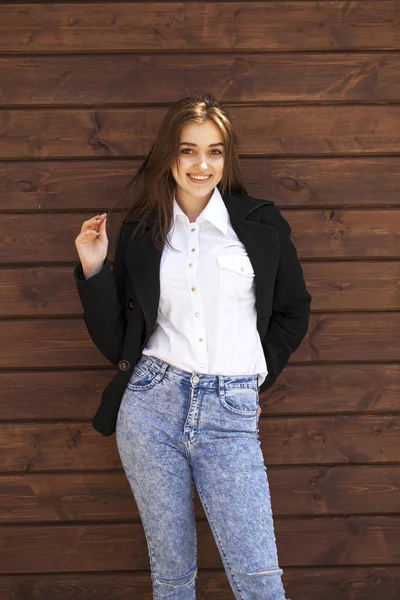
151, 199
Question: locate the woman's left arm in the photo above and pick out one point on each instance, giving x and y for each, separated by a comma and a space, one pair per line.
290, 316
103, 300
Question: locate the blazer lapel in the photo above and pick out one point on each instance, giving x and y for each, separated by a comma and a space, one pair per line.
261, 241
262, 245
142, 260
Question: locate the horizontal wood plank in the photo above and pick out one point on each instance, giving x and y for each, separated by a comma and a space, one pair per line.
295, 491
334, 286
334, 337
355, 285
129, 79
345, 337
301, 542
302, 583
260, 26
300, 389
94, 186
318, 388
71, 395
262, 130
317, 234
48, 343
326, 439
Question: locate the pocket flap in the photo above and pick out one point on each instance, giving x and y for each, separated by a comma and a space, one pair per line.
235, 262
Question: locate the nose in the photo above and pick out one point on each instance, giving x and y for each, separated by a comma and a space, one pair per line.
203, 165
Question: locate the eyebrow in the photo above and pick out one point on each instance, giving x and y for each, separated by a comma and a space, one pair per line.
190, 144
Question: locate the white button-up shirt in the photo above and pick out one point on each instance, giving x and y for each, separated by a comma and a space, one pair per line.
206, 320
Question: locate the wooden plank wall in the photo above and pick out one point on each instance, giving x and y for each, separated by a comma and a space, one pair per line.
313, 88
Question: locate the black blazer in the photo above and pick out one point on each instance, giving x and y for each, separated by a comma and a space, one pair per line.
120, 306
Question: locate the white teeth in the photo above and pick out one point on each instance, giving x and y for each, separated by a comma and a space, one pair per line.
199, 178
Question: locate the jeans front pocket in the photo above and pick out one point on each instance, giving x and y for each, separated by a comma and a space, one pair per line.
142, 378
240, 400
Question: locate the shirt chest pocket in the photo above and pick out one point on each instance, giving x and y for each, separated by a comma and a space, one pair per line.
235, 275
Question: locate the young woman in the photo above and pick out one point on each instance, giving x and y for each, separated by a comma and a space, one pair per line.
201, 312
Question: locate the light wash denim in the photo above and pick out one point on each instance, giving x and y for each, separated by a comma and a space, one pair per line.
176, 429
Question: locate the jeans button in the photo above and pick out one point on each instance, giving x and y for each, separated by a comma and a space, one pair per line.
195, 379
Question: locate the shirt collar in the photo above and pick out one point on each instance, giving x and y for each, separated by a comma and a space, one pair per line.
215, 212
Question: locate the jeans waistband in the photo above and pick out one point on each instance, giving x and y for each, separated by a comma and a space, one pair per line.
202, 379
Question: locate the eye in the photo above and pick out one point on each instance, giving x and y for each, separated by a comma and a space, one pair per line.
189, 150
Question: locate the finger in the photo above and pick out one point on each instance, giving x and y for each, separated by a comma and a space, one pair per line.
87, 225
102, 228
90, 221
96, 231
94, 219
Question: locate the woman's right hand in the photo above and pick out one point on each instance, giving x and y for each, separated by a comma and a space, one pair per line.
92, 244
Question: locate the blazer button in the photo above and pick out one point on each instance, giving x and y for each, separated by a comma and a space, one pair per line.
130, 305
124, 365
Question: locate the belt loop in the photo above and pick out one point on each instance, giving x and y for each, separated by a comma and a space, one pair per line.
162, 367
221, 385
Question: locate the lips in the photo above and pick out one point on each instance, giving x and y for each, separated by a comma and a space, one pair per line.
202, 180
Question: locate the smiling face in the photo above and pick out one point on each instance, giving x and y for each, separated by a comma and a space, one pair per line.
201, 153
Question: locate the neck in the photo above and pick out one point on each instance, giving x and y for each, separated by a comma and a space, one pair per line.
192, 206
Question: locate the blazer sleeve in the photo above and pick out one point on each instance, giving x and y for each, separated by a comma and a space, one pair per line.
103, 300
290, 315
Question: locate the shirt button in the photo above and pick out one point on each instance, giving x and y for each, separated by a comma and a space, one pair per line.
193, 249
197, 314
190, 264
200, 339
193, 289
193, 229
202, 366
241, 268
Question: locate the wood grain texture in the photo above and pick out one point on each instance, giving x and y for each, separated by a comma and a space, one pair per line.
209, 26
262, 130
272, 77
64, 497
322, 234
346, 337
345, 388
68, 185
304, 583
301, 389
334, 286
325, 439
356, 540
312, 88
52, 343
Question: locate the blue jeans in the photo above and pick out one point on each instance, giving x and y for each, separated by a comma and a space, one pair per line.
176, 429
